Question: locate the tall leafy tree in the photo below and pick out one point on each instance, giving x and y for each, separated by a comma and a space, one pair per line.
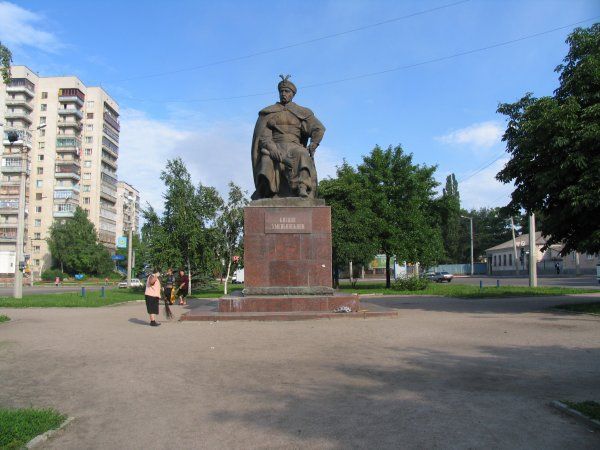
5, 62
491, 226
351, 217
554, 143
74, 245
401, 196
230, 227
449, 209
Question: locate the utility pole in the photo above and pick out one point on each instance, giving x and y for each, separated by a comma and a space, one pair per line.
512, 228
129, 201
472, 260
18, 285
532, 253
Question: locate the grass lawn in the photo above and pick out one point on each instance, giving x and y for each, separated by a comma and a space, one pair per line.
590, 308
215, 290
589, 408
4, 318
19, 426
463, 290
72, 299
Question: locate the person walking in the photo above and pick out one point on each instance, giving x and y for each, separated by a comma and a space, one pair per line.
169, 285
152, 295
183, 287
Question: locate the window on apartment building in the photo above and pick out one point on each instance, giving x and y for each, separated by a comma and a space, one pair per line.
87, 164
37, 235
89, 139
44, 95
90, 115
88, 152
41, 145
39, 183
37, 223
90, 103
40, 157
89, 127
42, 132
42, 120
38, 209
40, 171
36, 262
38, 196
87, 176
43, 107
37, 248
86, 200
86, 188
87, 211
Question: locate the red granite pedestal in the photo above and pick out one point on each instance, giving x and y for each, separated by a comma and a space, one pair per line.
287, 266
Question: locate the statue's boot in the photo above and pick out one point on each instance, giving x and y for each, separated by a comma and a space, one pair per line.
302, 191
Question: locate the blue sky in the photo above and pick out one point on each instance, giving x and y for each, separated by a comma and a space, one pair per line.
442, 112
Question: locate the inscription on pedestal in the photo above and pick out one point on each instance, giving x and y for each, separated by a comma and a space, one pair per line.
287, 221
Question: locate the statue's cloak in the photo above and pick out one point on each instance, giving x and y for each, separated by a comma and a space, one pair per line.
303, 114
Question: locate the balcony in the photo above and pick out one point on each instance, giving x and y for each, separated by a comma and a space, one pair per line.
18, 115
71, 171
69, 124
70, 112
12, 165
110, 147
112, 121
24, 137
21, 85
110, 162
71, 95
63, 214
8, 234
66, 194
21, 102
68, 144
8, 207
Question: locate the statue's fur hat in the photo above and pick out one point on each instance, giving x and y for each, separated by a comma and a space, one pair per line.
286, 83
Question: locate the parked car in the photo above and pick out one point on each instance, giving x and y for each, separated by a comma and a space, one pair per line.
440, 277
135, 282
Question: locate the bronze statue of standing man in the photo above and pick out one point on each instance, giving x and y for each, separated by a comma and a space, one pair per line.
285, 138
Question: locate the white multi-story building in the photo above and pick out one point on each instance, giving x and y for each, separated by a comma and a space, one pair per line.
69, 136
128, 209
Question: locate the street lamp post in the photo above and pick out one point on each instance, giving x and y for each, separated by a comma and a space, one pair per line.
129, 200
472, 262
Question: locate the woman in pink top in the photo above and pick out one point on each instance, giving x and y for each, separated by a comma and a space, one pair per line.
153, 296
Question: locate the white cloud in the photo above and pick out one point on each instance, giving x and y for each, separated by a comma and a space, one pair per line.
214, 153
20, 27
483, 190
485, 134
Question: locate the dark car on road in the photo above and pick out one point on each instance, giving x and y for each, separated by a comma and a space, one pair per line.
440, 277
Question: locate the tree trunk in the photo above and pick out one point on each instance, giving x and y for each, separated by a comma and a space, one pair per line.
388, 283
227, 276
336, 277
189, 276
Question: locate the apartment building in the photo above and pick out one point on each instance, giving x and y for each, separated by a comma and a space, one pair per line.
68, 139
128, 209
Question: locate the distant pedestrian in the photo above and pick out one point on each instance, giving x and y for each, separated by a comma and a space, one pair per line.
152, 294
169, 285
557, 267
57, 281
182, 290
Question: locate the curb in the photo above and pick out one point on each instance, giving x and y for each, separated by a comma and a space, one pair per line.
576, 414
45, 436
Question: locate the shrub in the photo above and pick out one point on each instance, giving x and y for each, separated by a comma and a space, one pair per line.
411, 284
51, 274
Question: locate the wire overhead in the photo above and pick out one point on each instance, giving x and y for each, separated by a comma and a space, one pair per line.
296, 44
380, 72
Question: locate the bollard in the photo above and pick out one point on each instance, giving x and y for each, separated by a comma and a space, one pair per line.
102, 294
83, 291
480, 284
497, 283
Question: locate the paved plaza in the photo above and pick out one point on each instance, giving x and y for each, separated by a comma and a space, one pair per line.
446, 373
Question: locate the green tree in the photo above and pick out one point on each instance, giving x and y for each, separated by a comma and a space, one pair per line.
491, 226
554, 144
449, 210
74, 244
230, 227
351, 218
401, 196
5, 61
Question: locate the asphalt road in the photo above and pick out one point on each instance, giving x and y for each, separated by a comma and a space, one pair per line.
445, 373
